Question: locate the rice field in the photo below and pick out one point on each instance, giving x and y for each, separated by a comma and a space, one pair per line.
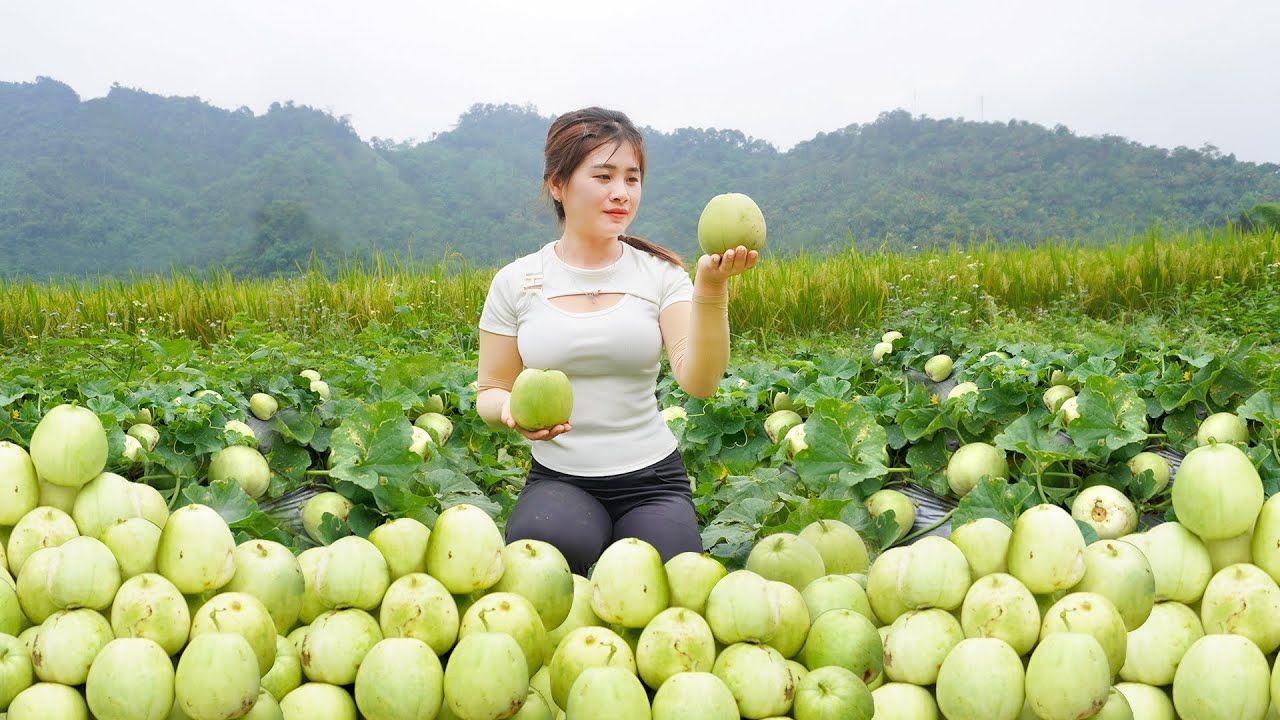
786, 296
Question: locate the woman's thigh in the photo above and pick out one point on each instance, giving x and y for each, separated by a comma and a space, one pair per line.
565, 516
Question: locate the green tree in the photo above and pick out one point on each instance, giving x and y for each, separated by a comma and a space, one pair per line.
285, 239
1263, 215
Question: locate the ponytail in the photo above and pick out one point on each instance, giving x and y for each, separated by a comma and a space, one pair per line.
653, 249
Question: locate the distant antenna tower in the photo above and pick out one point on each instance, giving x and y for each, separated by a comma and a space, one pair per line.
982, 114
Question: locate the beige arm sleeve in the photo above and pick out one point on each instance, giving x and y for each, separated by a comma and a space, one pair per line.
499, 365
696, 336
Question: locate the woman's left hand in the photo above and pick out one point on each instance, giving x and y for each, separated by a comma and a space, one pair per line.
717, 269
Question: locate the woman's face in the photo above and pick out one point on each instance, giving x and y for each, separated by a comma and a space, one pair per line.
603, 194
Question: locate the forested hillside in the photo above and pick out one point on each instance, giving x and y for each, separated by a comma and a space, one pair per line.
136, 181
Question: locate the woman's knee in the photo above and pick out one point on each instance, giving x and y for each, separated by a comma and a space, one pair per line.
670, 526
565, 516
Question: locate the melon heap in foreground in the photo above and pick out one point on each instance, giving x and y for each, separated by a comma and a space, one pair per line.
127, 610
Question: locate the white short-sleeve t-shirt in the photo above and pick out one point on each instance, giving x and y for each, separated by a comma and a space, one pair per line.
611, 356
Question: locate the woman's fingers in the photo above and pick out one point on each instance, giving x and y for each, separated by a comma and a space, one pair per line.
545, 433
733, 261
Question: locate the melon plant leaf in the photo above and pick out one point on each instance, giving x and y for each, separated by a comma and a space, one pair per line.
1112, 416
826, 387
363, 519
924, 422
373, 443
1041, 446
497, 467
928, 463
9, 431
225, 496
796, 512
761, 483
1268, 465
1197, 357
1144, 383
10, 393
289, 464
838, 366
110, 407
846, 446
788, 379
178, 463
1229, 385
237, 509
878, 532
884, 402
1153, 407
100, 388
1190, 387
896, 438
1093, 366
454, 488
1117, 475
1173, 393
296, 426
197, 428
732, 533
963, 406
741, 456
115, 444
995, 498
1180, 428
321, 438
331, 528
1261, 407
1143, 485
262, 527
710, 421
402, 501
406, 381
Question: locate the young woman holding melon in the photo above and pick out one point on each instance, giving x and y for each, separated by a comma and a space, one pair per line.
601, 306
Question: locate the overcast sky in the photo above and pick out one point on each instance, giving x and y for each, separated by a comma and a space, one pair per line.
1167, 73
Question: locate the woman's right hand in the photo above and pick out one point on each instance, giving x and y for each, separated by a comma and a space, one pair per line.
545, 434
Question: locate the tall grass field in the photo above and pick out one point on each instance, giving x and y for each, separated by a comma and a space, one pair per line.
786, 296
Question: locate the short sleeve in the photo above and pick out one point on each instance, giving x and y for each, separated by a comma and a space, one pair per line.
499, 313
676, 286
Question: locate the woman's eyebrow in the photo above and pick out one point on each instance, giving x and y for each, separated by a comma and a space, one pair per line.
611, 166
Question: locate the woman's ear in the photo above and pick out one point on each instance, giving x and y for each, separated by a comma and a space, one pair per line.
556, 192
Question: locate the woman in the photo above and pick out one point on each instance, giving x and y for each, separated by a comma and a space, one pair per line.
601, 306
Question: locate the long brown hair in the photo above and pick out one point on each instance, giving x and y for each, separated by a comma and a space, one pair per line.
575, 135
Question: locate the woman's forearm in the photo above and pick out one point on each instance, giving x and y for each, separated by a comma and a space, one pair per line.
708, 346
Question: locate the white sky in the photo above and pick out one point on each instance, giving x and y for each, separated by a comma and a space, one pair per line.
1167, 73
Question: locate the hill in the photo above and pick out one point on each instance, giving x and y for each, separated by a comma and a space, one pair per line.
137, 181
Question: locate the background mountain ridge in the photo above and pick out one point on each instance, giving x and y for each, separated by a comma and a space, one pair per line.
135, 181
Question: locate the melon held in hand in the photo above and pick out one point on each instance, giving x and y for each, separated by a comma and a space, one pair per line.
541, 399
730, 220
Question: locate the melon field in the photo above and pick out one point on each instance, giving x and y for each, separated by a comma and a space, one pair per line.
928, 483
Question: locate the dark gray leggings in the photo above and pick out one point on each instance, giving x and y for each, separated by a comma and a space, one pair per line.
582, 516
